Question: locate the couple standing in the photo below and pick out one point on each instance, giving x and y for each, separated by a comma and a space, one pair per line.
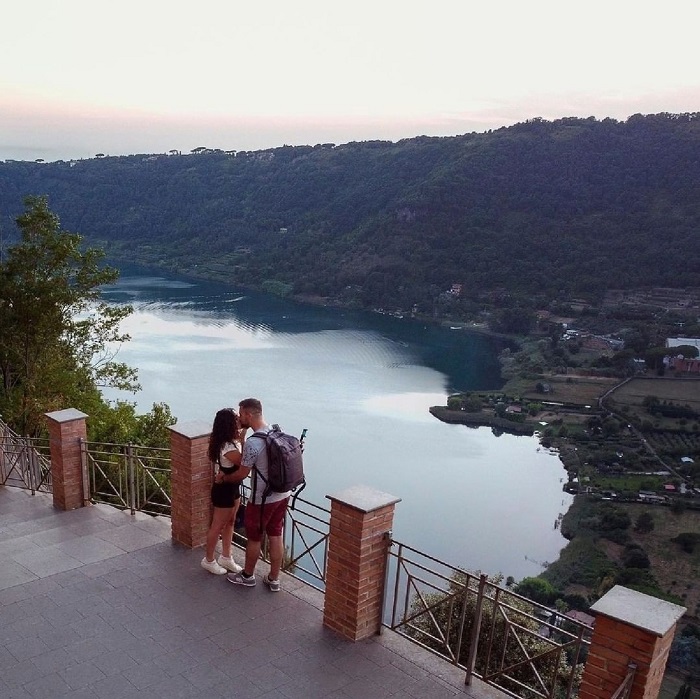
235, 457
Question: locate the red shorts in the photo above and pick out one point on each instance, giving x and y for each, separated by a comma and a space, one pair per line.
272, 519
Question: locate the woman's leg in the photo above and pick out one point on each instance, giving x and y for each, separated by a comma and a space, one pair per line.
227, 530
218, 522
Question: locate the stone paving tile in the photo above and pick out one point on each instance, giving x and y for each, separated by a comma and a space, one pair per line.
129, 537
47, 687
82, 674
12, 574
89, 549
45, 562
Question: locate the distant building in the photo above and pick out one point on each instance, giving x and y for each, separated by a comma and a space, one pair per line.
678, 341
581, 617
681, 364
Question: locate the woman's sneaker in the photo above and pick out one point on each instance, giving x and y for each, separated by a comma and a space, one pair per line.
213, 567
274, 585
229, 564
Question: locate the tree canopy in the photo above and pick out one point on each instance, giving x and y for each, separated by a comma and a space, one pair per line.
56, 332
557, 209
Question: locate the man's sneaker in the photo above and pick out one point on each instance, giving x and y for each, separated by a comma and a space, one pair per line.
240, 579
212, 567
274, 585
229, 564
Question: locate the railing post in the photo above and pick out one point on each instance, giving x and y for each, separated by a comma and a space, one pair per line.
630, 628
132, 480
191, 483
66, 429
357, 560
85, 470
476, 629
31, 466
388, 541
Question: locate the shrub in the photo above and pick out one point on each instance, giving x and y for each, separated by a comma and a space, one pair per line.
687, 541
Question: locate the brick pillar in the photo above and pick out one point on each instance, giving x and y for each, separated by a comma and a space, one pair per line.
356, 562
191, 483
630, 627
66, 429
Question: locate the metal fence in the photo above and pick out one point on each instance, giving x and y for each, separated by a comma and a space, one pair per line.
523, 648
25, 462
306, 530
128, 476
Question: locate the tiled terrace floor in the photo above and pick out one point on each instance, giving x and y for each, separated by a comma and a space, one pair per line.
95, 603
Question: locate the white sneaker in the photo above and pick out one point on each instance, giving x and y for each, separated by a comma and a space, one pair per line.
212, 567
229, 564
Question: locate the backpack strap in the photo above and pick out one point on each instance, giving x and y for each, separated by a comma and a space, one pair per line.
263, 436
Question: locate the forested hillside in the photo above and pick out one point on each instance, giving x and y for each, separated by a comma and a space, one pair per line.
563, 208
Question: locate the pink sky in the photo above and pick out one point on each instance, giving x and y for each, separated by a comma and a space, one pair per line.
79, 78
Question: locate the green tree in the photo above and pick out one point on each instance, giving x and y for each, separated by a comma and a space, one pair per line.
56, 332
538, 590
644, 523
635, 557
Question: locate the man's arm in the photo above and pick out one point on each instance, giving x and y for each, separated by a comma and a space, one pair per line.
237, 476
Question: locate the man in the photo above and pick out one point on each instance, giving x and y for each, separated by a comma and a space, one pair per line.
259, 519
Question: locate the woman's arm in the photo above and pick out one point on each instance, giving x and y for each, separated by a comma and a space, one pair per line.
234, 457
228, 465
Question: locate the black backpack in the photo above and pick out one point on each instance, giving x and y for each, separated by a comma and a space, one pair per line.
285, 464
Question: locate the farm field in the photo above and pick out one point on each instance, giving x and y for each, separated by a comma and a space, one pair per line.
577, 390
677, 572
671, 438
665, 389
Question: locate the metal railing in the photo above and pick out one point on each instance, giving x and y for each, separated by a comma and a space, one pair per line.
623, 691
306, 530
25, 462
523, 648
127, 476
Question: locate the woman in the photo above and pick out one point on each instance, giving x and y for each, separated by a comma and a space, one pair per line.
225, 446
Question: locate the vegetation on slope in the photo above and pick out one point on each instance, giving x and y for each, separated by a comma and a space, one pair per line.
557, 208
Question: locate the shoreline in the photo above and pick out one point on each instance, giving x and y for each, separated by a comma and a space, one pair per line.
454, 417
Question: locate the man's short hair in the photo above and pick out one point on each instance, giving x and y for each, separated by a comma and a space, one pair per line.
252, 404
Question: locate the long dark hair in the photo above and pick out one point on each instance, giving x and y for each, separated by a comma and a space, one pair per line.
225, 429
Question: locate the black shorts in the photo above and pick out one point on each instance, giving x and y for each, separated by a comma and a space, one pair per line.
225, 494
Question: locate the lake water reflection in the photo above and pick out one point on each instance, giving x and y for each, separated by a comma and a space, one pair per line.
362, 384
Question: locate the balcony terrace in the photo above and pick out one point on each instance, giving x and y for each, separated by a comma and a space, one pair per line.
98, 603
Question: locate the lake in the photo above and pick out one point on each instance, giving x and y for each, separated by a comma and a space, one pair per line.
362, 384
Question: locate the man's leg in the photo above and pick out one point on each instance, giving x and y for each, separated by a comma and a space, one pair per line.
275, 537
253, 531
252, 553
276, 551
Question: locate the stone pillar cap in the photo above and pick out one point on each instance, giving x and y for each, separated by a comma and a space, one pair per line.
193, 429
67, 415
364, 498
639, 610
